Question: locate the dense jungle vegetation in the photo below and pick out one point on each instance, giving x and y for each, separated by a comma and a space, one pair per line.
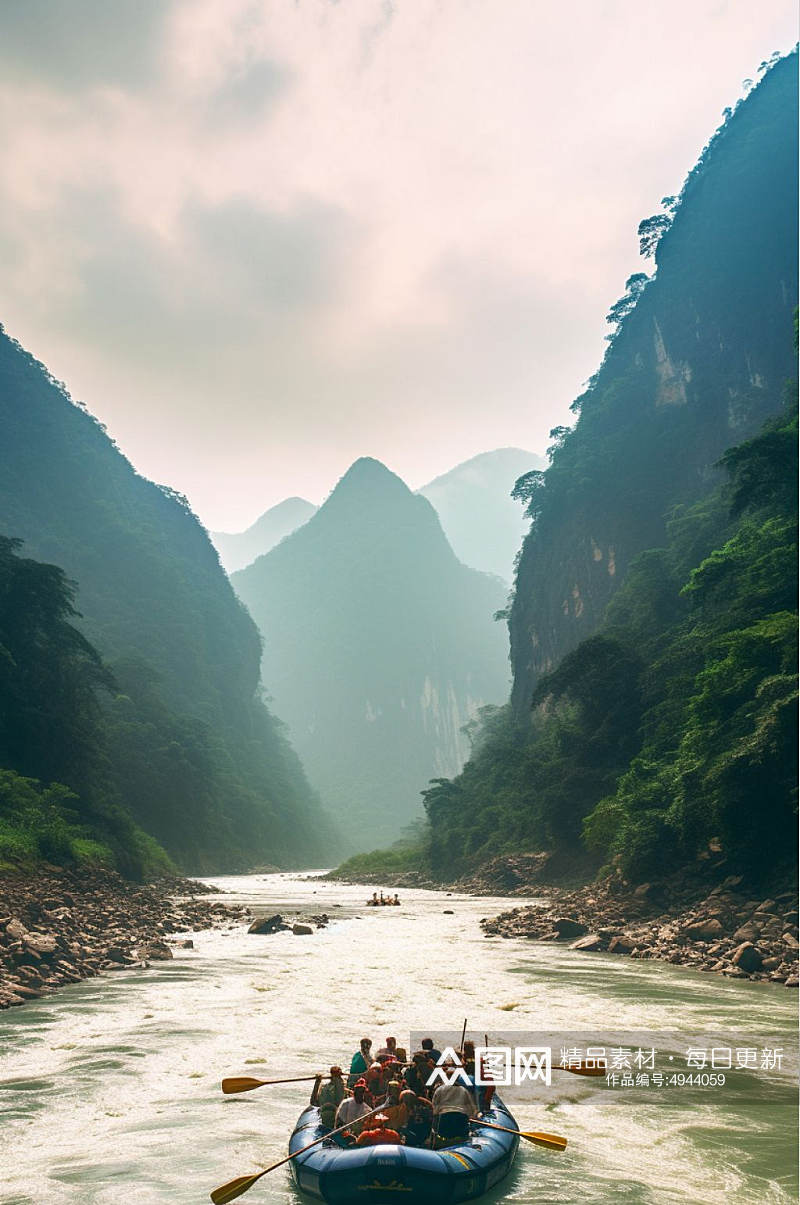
52, 731
676, 724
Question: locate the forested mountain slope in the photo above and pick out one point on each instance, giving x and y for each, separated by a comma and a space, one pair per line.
52, 731
378, 646
483, 524
239, 549
696, 365
194, 755
673, 730
653, 720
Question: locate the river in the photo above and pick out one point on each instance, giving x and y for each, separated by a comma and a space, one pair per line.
109, 1091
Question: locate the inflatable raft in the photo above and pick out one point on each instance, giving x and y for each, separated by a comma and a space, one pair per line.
391, 1173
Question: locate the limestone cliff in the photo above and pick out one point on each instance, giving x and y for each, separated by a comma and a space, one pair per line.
696, 366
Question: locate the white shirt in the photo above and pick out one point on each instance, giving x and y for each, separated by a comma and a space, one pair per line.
454, 1098
350, 1110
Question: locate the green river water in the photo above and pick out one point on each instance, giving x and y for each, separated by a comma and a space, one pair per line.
109, 1091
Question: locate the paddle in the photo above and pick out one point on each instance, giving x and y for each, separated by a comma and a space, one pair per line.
242, 1184
552, 1141
582, 1069
245, 1083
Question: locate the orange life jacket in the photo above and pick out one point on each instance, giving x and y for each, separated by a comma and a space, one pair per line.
376, 1137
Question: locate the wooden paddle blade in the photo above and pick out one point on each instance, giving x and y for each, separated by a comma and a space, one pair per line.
584, 1070
551, 1141
241, 1083
234, 1189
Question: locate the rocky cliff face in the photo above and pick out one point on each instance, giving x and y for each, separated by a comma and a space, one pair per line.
379, 645
697, 366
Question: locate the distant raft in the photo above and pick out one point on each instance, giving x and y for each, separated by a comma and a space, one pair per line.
390, 1173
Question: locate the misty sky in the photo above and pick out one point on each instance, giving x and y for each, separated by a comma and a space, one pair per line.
260, 238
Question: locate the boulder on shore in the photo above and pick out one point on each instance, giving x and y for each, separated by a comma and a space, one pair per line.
566, 927
704, 930
268, 924
157, 951
302, 930
747, 933
746, 957
622, 944
118, 954
592, 941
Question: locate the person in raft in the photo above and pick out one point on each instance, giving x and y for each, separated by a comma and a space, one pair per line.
391, 1103
430, 1050
453, 1106
377, 1077
402, 1107
353, 1108
329, 1097
417, 1075
381, 1133
390, 1051
414, 1117
468, 1058
374, 902
360, 1061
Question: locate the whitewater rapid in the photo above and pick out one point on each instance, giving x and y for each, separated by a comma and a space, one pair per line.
109, 1091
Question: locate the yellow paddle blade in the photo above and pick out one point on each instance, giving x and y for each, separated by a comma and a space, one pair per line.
241, 1083
552, 1141
234, 1189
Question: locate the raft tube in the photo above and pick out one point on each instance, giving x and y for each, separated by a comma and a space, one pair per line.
378, 1175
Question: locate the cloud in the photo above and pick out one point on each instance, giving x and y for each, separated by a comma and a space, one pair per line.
81, 43
239, 285
279, 261
261, 239
247, 95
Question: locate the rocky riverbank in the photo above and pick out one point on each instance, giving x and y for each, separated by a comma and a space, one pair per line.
60, 926
695, 917
724, 929
505, 874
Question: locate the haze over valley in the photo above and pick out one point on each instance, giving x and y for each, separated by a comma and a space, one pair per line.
398, 536
379, 646
362, 664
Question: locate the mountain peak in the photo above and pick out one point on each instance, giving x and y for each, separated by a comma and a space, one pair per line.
369, 473
505, 463
368, 487
238, 549
378, 647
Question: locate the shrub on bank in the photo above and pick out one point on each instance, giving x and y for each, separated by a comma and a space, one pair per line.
39, 823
